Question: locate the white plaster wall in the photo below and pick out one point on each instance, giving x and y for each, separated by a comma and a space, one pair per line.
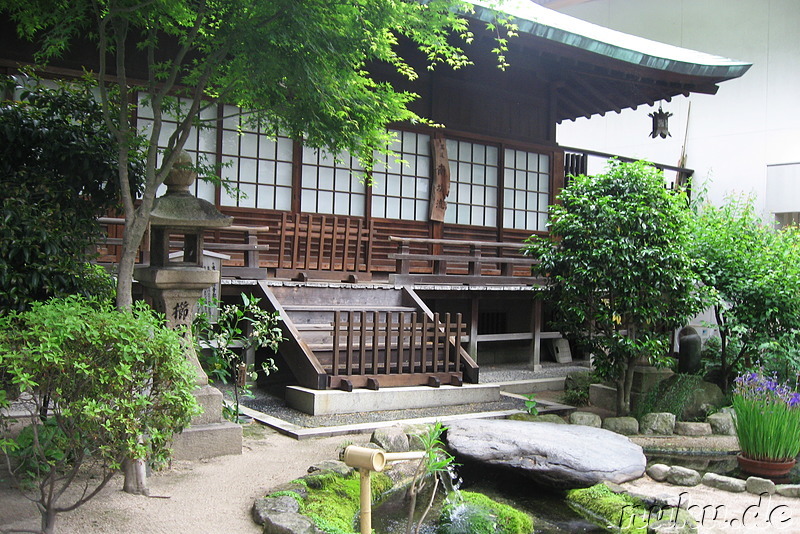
751, 123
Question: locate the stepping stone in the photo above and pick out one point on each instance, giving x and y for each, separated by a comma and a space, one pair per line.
684, 428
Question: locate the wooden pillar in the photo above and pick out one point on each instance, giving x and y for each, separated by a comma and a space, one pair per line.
472, 349
536, 328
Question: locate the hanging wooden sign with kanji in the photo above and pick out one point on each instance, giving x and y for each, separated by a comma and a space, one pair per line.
440, 187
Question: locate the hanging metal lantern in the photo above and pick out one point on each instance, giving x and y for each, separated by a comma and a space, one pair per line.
660, 123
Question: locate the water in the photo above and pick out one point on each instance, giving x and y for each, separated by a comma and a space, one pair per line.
552, 515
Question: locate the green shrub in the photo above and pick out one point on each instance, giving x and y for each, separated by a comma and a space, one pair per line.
482, 515
107, 385
576, 388
59, 173
671, 396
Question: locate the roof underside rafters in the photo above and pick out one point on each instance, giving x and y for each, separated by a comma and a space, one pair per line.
597, 70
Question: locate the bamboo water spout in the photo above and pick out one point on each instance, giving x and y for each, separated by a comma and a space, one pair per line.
367, 460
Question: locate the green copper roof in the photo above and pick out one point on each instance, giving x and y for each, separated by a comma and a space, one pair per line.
557, 27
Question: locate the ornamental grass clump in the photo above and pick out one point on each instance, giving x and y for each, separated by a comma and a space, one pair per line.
767, 418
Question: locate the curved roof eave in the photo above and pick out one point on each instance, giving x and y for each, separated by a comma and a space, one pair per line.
557, 27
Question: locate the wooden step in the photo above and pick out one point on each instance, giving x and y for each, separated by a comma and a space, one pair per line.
346, 307
314, 327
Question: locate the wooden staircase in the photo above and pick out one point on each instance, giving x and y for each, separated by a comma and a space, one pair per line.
345, 336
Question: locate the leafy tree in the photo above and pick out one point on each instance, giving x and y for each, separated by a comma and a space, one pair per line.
59, 172
105, 384
618, 274
755, 272
301, 67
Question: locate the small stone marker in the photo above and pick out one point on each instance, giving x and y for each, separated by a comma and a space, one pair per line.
788, 490
658, 472
585, 419
721, 423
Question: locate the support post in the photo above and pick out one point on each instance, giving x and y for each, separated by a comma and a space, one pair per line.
536, 343
472, 348
366, 501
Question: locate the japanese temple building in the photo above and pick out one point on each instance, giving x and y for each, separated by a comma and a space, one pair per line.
396, 284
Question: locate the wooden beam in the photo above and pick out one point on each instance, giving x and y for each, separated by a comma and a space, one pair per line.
596, 93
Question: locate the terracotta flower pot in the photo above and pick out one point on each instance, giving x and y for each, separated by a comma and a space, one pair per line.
765, 468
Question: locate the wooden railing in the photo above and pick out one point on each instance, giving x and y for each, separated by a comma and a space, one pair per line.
449, 260
326, 246
240, 240
582, 161
382, 348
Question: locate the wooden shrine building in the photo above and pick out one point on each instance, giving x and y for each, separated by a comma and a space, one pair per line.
397, 283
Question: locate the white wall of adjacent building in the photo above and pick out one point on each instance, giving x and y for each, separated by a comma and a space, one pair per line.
743, 140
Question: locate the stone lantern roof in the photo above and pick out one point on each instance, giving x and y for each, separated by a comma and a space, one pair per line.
178, 208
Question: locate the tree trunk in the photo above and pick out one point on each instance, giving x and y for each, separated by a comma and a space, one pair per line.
135, 477
624, 386
135, 227
621, 406
49, 519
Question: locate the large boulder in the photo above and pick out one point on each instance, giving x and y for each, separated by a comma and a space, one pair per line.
553, 455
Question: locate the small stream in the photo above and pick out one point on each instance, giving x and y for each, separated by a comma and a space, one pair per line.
551, 514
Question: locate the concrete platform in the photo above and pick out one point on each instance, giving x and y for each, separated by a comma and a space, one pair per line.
326, 402
533, 385
207, 441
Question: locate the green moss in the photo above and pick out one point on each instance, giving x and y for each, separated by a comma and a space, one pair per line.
333, 500
619, 510
482, 515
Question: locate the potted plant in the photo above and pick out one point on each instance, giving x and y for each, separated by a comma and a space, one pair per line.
767, 421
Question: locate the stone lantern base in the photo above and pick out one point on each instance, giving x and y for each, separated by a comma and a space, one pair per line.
209, 435
175, 293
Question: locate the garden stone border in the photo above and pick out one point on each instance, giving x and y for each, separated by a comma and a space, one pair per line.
682, 476
719, 423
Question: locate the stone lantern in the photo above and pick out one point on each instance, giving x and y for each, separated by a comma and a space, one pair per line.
174, 285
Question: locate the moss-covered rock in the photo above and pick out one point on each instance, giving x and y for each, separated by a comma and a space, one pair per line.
478, 514
626, 513
332, 500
